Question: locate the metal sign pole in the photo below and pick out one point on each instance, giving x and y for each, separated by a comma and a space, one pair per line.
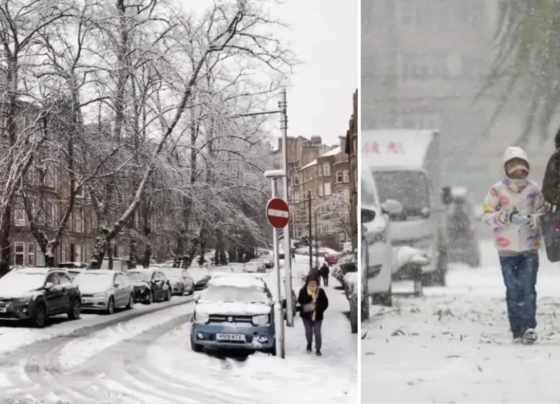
278, 312
283, 105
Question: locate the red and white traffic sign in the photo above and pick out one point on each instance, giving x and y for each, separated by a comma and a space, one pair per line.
277, 213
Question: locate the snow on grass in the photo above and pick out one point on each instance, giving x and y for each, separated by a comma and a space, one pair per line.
81, 349
453, 344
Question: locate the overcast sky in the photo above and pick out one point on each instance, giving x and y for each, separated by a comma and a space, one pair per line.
324, 36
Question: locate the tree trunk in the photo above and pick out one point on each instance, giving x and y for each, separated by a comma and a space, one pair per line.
5, 241
133, 250
148, 246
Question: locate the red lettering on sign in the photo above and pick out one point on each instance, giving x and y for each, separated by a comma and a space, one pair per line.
395, 148
371, 147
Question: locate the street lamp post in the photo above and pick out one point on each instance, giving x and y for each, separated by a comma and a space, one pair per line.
274, 175
283, 111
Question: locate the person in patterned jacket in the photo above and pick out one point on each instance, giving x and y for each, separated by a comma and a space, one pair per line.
512, 208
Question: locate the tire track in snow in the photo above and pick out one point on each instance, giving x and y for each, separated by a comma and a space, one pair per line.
35, 369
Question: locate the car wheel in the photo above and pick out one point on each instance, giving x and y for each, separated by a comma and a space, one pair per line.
196, 347
75, 309
272, 351
150, 298
130, 304
383, 299
40, 317
168, 295
111, 306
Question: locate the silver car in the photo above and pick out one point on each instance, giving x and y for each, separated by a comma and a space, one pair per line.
105, 290
180, 279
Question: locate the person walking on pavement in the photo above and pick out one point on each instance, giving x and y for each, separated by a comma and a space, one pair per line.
551, 182
314, 303
315, 273
512, 208
324, 271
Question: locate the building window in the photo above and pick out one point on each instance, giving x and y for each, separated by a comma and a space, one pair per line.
48, 181
320, 190
39, 257
78, 253
424, 66
355, 146
346, 176
296, 179
19, 253
31, 254
78, 220
327, 186
338, 177
19, 217
63, 252
298, 215
298, 232
320, 171
326, 170
355, 177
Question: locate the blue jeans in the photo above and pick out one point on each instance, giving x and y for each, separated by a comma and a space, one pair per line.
520, 278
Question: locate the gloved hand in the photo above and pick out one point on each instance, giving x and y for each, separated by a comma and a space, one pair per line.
519, 219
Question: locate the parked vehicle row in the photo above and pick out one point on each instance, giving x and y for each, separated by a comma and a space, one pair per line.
34, 294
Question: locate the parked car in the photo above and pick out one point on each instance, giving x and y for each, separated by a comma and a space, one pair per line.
268, 261
150, 285
461, 228
377, 243
304, 250
234, 312
119, 264
180, 279
105, 290
34, 294
331, 258
201, 276
73, 265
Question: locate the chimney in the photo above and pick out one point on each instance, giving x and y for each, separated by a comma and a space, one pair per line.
342, 142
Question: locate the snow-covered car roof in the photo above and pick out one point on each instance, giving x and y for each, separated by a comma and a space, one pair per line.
236, 280
38, 270
145, 270
103, 271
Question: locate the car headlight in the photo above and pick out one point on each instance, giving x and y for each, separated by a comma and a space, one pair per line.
201, 317
260, 320
24, 299
103, 294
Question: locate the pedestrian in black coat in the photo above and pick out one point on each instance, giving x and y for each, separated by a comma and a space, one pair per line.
314, 303
325, 271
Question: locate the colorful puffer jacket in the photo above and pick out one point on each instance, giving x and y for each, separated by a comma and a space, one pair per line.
511, 195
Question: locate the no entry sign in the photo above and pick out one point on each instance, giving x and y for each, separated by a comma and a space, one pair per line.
277, 213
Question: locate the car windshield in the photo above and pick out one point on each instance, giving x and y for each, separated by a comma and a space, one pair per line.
230, 294
367, 192
18, 282
139, 276
73, 274
411, 188
95, 280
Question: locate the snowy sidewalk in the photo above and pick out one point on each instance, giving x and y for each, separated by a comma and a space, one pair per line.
453, 344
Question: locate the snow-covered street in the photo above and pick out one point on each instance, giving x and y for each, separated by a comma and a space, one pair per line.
453, 344
143, 356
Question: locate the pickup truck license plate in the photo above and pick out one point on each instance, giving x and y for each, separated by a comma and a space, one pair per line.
2, 309
230, 337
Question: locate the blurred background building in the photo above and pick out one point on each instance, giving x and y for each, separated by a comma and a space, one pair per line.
423, 64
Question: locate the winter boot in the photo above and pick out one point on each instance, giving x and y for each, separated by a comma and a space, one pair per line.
308, 347
319, 352
529, 336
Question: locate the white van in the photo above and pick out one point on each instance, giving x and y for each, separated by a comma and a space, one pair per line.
377, 250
